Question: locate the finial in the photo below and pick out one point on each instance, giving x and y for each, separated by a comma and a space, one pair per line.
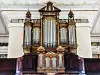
70, 13
49, 3
28, 14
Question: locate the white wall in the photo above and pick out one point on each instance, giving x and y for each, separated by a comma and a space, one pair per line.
15, 48
4, 39
84, 40
3, 50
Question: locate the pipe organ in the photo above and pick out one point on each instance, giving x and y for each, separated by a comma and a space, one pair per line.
50, 38
36, 35
27, 30
49, 32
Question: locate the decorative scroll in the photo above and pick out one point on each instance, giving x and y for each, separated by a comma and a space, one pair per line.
49, 32
27, 36
36, 35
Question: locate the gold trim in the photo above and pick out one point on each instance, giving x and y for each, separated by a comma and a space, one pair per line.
50, 18
41, 33
58, 32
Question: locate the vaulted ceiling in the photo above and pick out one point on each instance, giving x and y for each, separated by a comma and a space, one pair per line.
3, 25
95, 30
30, 2
83, 9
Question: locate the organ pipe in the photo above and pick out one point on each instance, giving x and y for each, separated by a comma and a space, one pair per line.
49, 33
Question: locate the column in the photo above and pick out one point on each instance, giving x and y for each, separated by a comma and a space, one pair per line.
15, 47
83, 40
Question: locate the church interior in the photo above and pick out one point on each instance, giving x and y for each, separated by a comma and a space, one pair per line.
49, 37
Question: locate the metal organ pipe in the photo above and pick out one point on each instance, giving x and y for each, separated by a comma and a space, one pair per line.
49, 33
63, 35
45, 34
36, 36
54, 34
74, 42
72, 35
27, 35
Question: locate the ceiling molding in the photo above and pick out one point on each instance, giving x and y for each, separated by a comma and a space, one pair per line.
43, 2
95, 22
3, 23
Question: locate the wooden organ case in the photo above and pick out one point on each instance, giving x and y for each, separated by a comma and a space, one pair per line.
49, 38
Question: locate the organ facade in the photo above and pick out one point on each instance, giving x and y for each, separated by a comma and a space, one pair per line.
50, 38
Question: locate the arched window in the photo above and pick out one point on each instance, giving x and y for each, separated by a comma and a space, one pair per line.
49, 32
36, 35
72, 40
27, 36
63, 34
41, 60
54, 62
47, 62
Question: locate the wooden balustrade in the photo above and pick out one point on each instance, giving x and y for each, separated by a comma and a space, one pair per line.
71, 63
92, 66
29, 64
8, 66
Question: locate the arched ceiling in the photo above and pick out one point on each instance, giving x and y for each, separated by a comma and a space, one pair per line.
16, 9
96, 25
3, 25
30, 2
